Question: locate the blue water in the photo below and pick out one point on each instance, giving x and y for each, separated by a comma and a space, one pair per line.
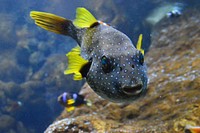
33, 60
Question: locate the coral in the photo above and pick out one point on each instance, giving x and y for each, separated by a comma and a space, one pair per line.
172, 100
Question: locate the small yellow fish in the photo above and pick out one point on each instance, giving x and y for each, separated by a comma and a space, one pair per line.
72, 100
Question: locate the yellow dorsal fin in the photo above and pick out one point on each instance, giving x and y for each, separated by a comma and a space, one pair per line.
69, 109
139, 44
84, 19
75, 63
50, 22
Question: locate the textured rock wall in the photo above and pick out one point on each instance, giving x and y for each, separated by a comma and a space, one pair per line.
172, 101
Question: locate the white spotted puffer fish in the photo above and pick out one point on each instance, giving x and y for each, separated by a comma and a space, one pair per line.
105, 57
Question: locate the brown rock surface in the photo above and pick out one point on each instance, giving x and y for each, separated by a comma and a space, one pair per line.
173, 99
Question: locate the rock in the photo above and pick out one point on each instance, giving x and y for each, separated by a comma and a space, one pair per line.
52, 74
37, 59
22, 56
10, 70
8, 38
6, 122
10, 89
172, 100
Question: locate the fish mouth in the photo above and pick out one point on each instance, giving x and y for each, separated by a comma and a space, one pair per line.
135, 90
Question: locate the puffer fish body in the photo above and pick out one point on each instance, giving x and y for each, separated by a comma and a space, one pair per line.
106, 57
125, 70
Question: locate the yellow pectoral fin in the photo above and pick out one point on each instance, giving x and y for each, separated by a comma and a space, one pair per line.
84, 19
75, 63
69, 109
139, 44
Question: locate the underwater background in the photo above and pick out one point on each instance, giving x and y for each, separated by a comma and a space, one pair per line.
32, 61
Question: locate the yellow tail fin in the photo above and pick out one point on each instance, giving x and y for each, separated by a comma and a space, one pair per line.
51, 22
75, 63
84, 19
69, 109
139, 44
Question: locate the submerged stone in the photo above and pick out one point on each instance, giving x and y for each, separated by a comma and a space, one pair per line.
172, 101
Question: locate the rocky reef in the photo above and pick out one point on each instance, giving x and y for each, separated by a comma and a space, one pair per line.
173, 98
31, 76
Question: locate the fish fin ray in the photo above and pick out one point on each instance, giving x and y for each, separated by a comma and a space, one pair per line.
84, 19
75, 63
139, 44
53, 23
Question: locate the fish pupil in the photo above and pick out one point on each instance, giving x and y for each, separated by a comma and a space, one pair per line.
106, 64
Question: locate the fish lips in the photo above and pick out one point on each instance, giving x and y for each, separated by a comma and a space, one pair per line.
132, 90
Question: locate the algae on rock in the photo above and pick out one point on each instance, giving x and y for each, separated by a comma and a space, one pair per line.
172, 100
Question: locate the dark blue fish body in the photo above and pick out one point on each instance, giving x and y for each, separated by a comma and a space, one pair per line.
72, 100
106, 57
78, 99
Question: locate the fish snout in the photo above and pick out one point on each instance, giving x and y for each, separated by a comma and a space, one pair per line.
132, 90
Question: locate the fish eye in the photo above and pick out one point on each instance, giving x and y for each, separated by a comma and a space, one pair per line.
141, 58
106, 64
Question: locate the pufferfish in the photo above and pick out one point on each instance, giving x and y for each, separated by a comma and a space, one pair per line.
105, 57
